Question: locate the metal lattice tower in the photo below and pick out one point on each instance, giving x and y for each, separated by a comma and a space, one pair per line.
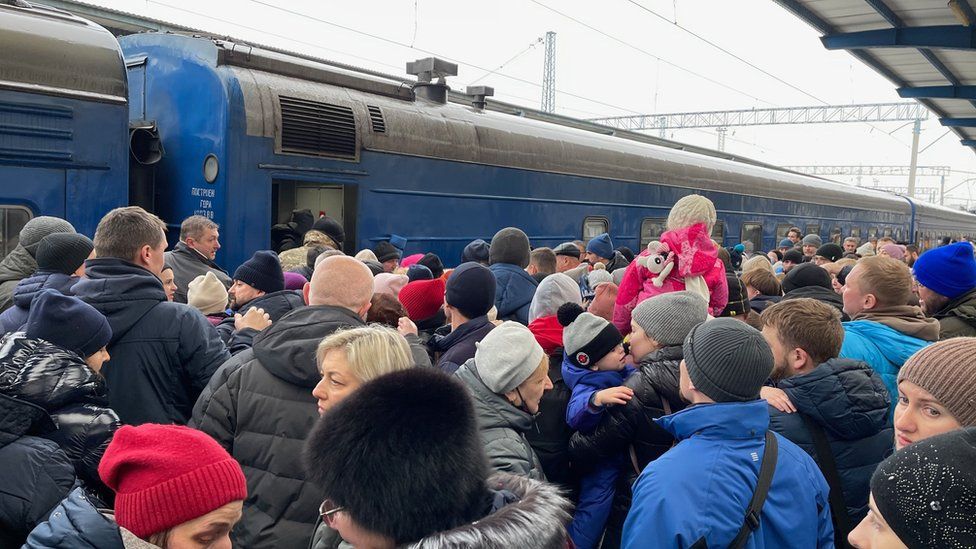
549, 74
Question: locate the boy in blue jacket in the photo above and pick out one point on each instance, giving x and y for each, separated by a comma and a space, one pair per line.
594, 370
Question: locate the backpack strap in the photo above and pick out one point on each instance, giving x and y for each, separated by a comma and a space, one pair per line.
828, 466
766, 470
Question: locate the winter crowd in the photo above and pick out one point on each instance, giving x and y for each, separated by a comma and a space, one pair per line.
693, 396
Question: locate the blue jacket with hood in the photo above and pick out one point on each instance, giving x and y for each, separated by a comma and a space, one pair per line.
163, 353
884, 348
514, 290
699, 490
27, 289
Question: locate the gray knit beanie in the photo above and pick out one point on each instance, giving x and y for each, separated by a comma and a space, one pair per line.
507, 356
587, 338
667, 318
509, 245
36, 229
947, 370
727, 360
811, 240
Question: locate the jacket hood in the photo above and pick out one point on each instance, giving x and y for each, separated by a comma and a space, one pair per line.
287, 347
515, 288
537, 518
493, 411
906, 319
895, 346
662, 370
845, 396
574, 375
819, 293
28, 288
120, 290
38, 372
441, 344
17, 265
76, 523
963, 307
723, 420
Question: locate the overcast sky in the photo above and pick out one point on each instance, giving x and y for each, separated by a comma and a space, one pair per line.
615, 58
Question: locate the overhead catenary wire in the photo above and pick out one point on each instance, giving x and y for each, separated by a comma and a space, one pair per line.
531, 46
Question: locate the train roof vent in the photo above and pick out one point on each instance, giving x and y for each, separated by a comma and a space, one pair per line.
310, 127
376, 119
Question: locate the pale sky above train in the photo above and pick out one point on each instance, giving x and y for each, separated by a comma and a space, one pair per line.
605, 63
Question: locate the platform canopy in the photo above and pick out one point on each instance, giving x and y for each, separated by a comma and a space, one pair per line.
927, 48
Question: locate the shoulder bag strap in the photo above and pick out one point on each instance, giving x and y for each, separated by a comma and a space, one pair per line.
766, 470
828, 466
633, 451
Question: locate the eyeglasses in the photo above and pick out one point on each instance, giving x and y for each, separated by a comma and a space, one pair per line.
327, 510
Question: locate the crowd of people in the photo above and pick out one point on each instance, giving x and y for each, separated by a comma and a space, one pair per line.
688, 395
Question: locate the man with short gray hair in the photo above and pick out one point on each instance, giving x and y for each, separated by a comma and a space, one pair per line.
194, 254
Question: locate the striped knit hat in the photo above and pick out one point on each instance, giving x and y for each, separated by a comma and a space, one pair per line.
947, 369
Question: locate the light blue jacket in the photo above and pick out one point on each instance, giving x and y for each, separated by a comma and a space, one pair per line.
883, 348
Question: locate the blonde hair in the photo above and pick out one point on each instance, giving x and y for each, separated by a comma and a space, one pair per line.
836, 267
890, 280
370, 351
757, 262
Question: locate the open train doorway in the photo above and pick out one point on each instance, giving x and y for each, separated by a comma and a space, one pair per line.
334, 200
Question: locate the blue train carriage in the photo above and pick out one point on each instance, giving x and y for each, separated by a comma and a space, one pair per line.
251, 134
63, 120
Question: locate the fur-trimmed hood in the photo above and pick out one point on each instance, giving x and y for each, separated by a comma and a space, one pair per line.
537, 519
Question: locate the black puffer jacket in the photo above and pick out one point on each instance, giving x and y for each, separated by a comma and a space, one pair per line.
59, 381
163, 354
850, 401
259, 406
275, 304
550, 435
36, 474
654, 383
27, 289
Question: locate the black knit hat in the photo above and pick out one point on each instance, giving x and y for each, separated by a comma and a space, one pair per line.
805, 275
727, 360
471, 289
262, 271
830, 252
738, 304
402, 456
330, 227
63, 252
510, 245
385, 251
926, 492
477, 250
842, 275
67, 322
793, 256
432, 262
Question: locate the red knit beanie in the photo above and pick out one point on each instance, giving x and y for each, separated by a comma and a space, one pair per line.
422, 298
165, 475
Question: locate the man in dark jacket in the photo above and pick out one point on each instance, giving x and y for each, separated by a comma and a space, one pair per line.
20, 262
259, 405
813, 281
163, 353
469, 296
815, 394
194, 254
947, 288
508, 257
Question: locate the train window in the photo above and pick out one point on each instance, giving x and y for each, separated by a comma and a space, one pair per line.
872, 232
752, 232
782, 229
836, 235
718, 232
12, 220
813, 228
856, 232
595, 226
887, 231
651, 229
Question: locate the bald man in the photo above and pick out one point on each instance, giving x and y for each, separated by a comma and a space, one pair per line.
259, 405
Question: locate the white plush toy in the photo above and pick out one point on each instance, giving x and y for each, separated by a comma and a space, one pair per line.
660, 261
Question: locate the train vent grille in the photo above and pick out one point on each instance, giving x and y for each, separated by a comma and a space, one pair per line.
310, 127
376, 119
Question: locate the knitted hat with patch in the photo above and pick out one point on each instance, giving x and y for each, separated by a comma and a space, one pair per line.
587, 338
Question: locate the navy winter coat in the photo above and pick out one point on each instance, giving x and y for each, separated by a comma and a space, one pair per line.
514, 290
26, 290
77, 524
458, 347
850, 401
163, 353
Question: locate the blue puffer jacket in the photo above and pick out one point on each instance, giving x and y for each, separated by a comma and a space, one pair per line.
699, 490
514, 290
883, 348
27, 289
76, 524
163, 354
583, 383
848, 399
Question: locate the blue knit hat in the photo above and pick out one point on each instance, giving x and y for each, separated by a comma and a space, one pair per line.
949, 271
740, 247
785, 243
262, 271
67, 322
601, 245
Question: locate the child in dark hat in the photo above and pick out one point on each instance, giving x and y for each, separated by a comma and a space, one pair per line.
594, 369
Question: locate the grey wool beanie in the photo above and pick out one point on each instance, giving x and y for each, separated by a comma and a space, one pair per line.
507, 356
667, 318
727, 360
509, 245
36, 229
587, 338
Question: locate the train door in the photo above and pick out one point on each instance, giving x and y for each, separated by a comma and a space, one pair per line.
334, 200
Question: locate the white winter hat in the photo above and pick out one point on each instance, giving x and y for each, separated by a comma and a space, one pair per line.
690, 210
507, 356
207, 294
